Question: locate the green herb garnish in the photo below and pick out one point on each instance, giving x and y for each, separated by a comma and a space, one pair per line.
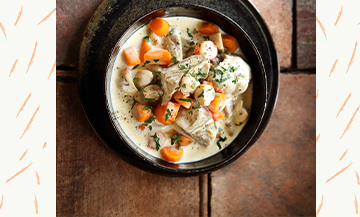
239, 124
135, 67
181, 67
157, 140
150, 99
189, 33
201, 94
192, 43
135, 80
185, 100
133, 104
147, 39
168, 113
221, 139
156, 60
193, 85
174, 60
171, 32
184, 85
206, 38
157, 72
146, 62
176, 139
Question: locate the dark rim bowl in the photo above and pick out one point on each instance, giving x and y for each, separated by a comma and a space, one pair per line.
259, 99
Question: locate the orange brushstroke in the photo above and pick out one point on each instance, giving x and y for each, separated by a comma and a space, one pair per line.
23, 155
317, 93
342, 107
343, 155
52, 69
351, 120
3, 29
23, 105
357, 177
2, 201
32, 57
338, 173
352, 57
19, 15
338, 18
36, 205
13, 68
18, 173
356, 205
47, 16
332, 69
322, 27
322, 201
44, 146
31, 120
317, 138
37, 177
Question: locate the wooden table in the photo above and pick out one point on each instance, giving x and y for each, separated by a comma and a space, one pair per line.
275, 177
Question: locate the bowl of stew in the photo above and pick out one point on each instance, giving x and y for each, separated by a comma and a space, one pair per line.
185, 90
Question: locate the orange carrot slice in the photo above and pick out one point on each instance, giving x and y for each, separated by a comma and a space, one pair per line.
218, 104
230, 43
218, 116
158, 56
208, 28
184, 101
124, 71
131, 57
206, 47
142, 112
159, 26
142, 127
184, 140
171, 153
166, 114
145, 47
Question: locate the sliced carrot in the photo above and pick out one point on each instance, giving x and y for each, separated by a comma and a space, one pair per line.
171, 153
131, 57
158, 56
184, 101
145, 47
142, 127
166, 114
218, 116
159, 26
184, 141
230, 43
218, 104
208, 28
206, 47
142, 112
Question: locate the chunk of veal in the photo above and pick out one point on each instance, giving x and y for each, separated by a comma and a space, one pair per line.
173, 44
197, 122
231, 76
171, 76
152, 92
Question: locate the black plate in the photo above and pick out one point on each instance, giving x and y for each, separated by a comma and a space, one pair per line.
113, 18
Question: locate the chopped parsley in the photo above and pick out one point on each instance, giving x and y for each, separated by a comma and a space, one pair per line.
189, 33
181, 67
216, 94
193, 85
147, 39
148, 108
235, 80
184, 85
171, 32
159, 94
177, 42
192, 43
221, 139
240, 75
150, 127
185, 100
148, 121
215, 124
141, 89
157, 140
195, 108
156, 60
146, 62
179, 146
135, 67
201, 94
135, 80
220, 130
133, 104
174, 60
201, 73
206, 38
150, 99
157, 72
199, 45
176, 139
167, 114
239, 124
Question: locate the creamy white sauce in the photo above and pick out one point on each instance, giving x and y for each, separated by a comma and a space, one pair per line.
122, 102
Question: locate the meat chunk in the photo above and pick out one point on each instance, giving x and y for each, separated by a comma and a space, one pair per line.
152, 92
173, 44
171, 76
198, 123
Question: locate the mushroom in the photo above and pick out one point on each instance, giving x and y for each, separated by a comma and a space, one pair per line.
152, 92
128, 85
216, 38
241, 86
188, 85
240, 113
142, 77
204, 94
